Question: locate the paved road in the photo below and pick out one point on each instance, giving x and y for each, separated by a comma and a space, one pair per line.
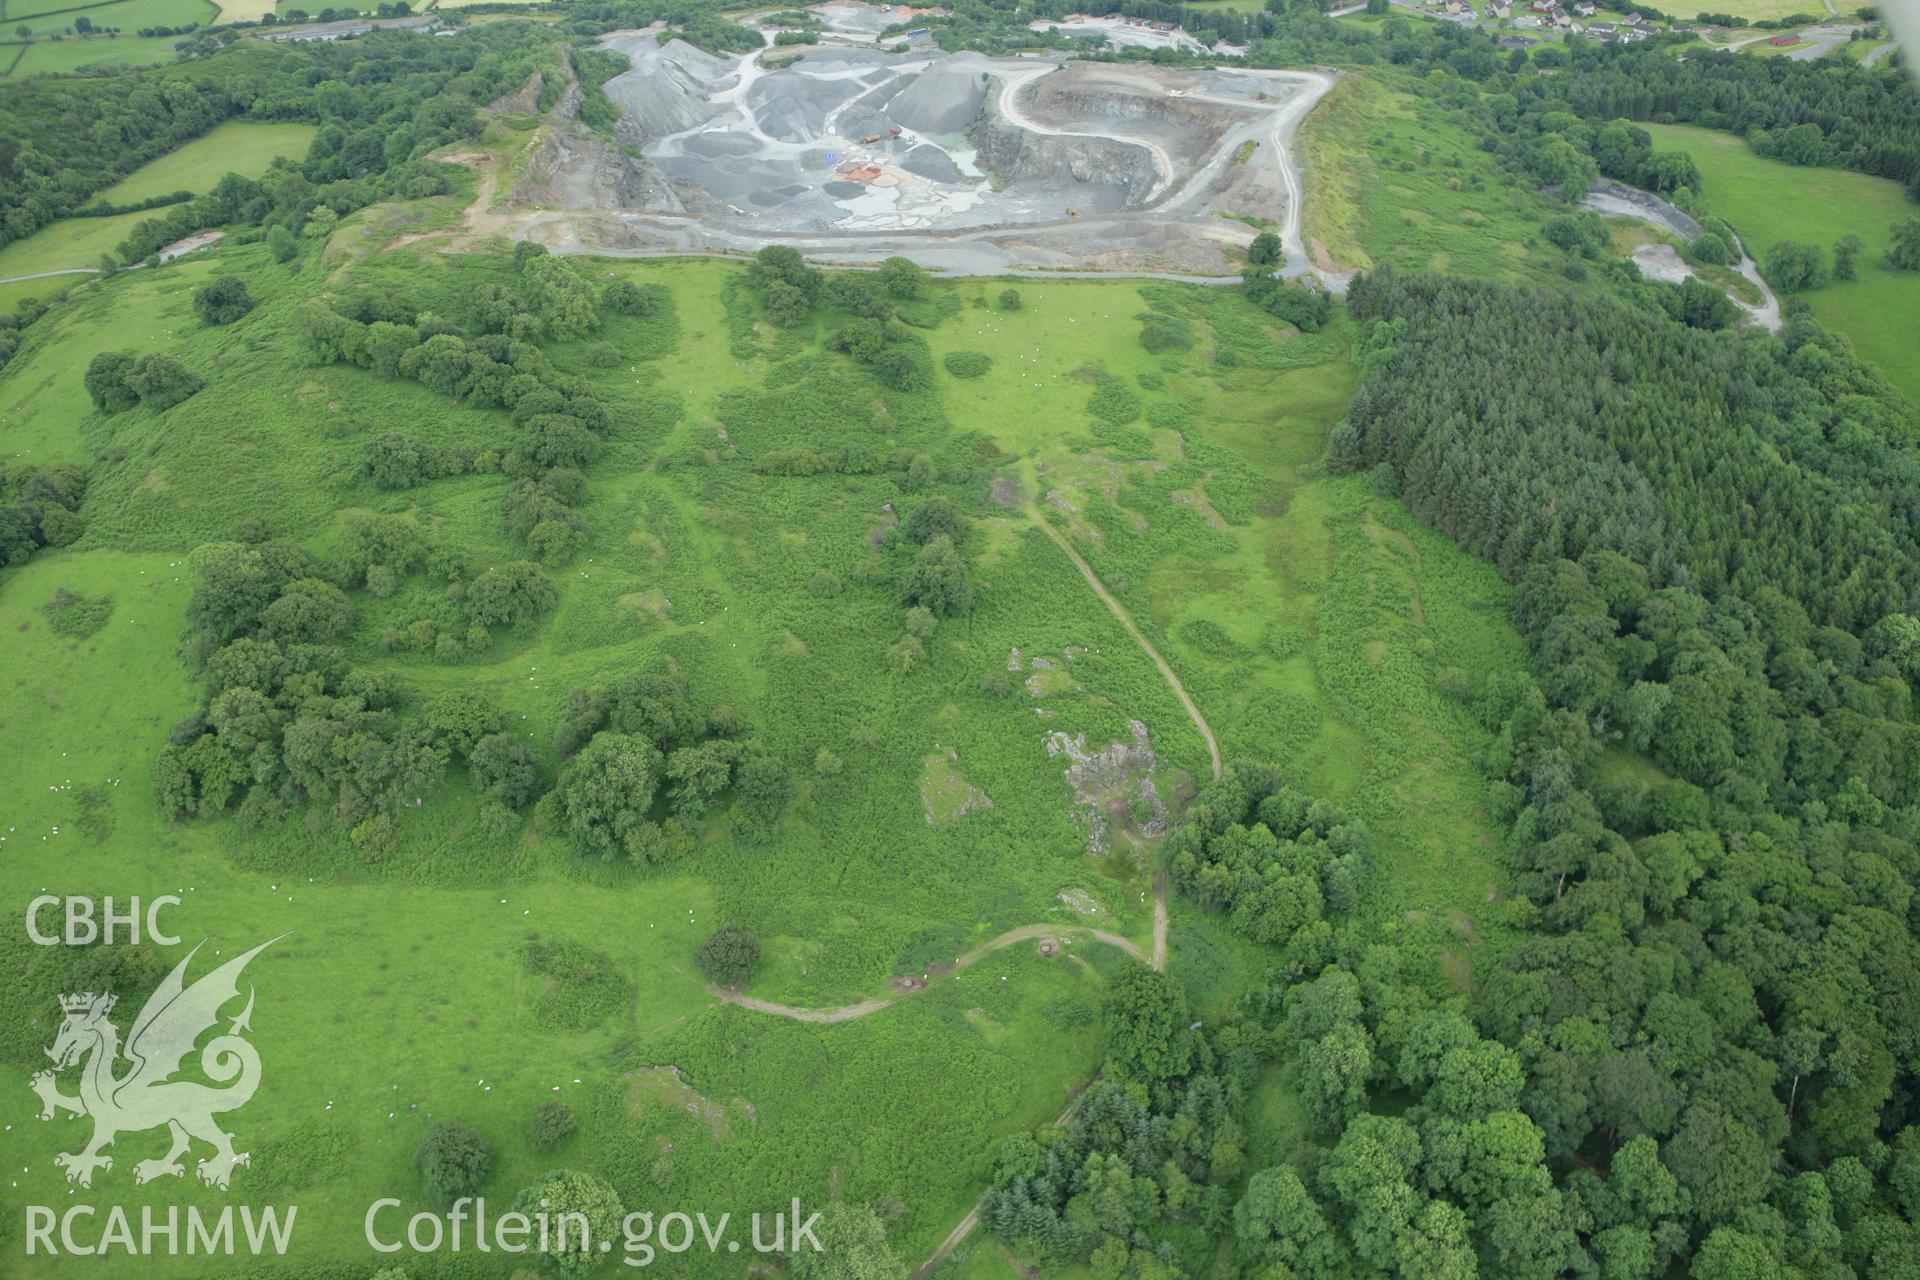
43, 275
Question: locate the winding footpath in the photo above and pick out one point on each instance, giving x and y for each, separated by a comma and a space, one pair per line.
848, 1012
1027, 932
1126, 620
966, 1225
1030, 932
45, 275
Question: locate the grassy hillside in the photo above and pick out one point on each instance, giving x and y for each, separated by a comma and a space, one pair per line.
1395, 181
1312, 620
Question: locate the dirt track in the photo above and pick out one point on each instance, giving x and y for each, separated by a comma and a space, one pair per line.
1027, 932
1126, 620
967, 1224
1024, 933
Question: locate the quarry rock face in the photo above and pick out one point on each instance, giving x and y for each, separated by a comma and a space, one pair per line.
1110, 174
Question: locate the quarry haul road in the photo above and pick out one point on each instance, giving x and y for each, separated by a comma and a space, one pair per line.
1278, 126
1014, 81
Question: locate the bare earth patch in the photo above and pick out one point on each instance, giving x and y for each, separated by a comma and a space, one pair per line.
945, 794
663, 1087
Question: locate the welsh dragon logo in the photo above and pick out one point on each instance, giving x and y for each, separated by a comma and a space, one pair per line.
146, 1095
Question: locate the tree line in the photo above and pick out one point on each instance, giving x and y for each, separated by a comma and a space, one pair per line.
379, 101
1718, 1022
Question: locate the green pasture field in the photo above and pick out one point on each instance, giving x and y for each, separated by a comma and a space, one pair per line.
1329, 678
12, 295
234, 147
1012, 1065
1395, 181
45, 17
59, 57
1312, 620
1772, 10
244, 10
1768, 200
70, 242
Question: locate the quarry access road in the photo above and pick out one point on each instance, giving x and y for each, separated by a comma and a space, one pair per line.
1275, 127
1285, 123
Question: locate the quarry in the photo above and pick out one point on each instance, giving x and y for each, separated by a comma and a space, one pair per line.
851, 151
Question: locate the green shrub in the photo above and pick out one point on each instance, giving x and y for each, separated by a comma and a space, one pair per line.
582, 987
729, 956
967, 364
223, 301
1162, 332
552, 1121
1114, 404
454, 1160
76, 616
